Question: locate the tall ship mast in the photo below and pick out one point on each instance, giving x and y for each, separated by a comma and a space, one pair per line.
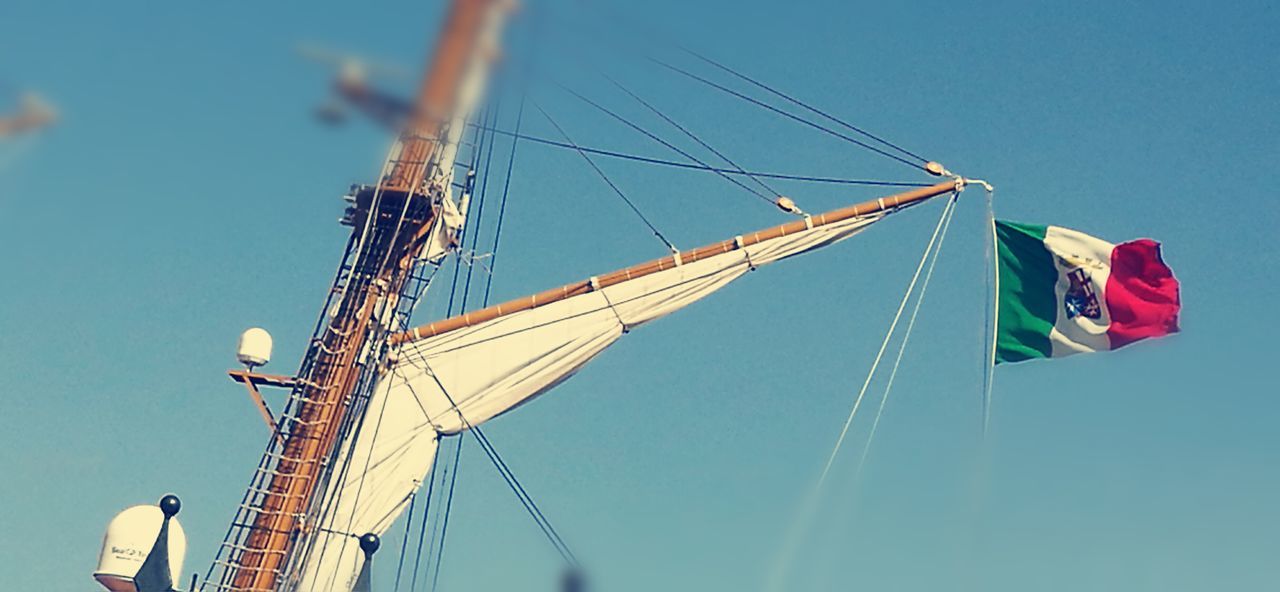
401, 224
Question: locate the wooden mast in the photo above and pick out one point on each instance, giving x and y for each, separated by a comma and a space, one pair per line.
376, 277
874, 206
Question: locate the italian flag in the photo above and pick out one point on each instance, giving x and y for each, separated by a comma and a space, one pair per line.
1062, 292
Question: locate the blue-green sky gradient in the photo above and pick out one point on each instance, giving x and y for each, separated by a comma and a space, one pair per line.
187, 194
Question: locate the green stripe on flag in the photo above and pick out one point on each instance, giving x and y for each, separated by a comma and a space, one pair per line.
1028, 307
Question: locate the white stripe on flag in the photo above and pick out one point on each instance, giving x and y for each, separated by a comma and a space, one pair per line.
1074, 251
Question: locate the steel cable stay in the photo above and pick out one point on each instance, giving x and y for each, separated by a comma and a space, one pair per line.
803, 105
481, 133
435, 549
787, 114
443, 518
422, 526
404, 541
691, 135
486, 445
446, 473
650, 32
605, 177
659, 140
508, 476
502, 207
484, 187
523, 84
504, 470
439, 473
697, 167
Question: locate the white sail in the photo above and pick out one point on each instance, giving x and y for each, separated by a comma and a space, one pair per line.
467, 376
491, 367
393, 452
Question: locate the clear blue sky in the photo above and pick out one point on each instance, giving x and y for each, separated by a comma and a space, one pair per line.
187, 194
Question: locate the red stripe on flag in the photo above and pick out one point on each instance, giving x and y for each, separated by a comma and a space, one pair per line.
1142, 294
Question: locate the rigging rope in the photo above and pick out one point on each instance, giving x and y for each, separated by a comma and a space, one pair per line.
902, 347
444, 473
507, 475
404, 542
605, 177
530, 55
377, 428
385, 303
484, 187
502, 208
844, 431
804, 105
481, 134
523, 494
656, 138
693, 137
993, 313
808, 507
786, 114
448, 507
698, 167
422, 529
352, 429
650, 34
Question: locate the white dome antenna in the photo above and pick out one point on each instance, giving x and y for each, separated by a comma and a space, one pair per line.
254, 348
132, 536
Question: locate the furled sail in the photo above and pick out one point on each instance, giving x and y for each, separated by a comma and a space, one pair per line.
461, 372
466, 376
394, 449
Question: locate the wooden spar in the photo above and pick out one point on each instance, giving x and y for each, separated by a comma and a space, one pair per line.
438, 93
637, 271
251, 380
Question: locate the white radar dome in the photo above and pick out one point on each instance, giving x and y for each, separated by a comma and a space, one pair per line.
254, 348
129, 539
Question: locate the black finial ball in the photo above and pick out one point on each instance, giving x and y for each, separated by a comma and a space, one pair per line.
170, 504
369, 543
